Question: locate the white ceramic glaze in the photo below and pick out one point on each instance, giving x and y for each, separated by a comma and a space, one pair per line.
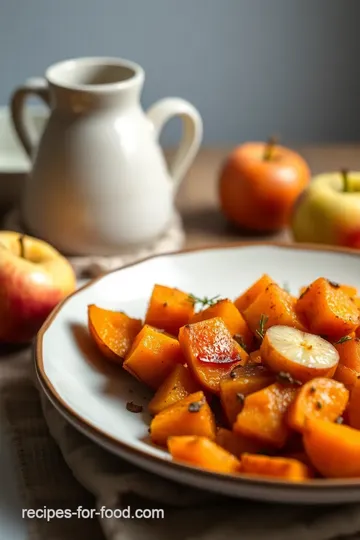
100, 182
92, 394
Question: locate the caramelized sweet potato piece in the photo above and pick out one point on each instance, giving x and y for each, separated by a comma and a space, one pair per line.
320, 398
353, 410
348, 369
248, 297
347, 289
255, 357
242, 381
203, 453
153, 356
302, 457
189, 416
232, 318
112, 331
210, 352
278, 467
327, 309
333, 449
169, 309
346, 376
235, 443
277, 305
179, 384
263, 416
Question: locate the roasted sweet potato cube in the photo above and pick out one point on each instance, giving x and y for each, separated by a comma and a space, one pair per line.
333, 449
242, 381
112, 331
348, 369
348, 289
277, 305
179, 384
169, 309
227, 311
248, 297
235, 443
263, 416
189, 416
353, 410
255, 357
203, 453
278, 467
320, 398
153, 356
327, 309
210, 352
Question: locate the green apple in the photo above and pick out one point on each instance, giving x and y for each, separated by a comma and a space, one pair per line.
328, 211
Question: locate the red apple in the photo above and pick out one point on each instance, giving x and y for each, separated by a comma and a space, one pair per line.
259, 184
34, 278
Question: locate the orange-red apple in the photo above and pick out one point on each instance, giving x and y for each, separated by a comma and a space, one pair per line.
34, 278
328, 212
259, 184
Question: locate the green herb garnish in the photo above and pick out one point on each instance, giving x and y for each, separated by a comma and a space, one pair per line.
286, 287
261, 330
239, 339
343, 340
318, 405
204, 302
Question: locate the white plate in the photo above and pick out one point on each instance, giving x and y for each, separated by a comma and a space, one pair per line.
92, 394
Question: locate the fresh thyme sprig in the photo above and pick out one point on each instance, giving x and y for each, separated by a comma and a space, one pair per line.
286, 287
343, 340
203, 302
239, 339
260, 332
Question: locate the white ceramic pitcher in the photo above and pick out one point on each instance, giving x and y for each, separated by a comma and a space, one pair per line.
100, 182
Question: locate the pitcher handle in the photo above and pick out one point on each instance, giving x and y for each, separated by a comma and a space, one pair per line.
164, 110
26, 132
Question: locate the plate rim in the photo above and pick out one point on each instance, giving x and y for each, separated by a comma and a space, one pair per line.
97, 433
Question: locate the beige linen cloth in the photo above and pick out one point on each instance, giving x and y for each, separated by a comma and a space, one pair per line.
61, 469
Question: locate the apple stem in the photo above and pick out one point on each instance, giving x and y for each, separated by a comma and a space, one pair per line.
22, 246
345, 176
269, 148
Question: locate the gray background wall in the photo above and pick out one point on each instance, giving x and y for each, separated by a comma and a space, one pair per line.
252, 67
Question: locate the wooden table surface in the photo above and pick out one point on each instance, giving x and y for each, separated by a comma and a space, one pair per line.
197, 198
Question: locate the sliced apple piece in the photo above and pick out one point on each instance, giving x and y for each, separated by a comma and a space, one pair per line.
302, 355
